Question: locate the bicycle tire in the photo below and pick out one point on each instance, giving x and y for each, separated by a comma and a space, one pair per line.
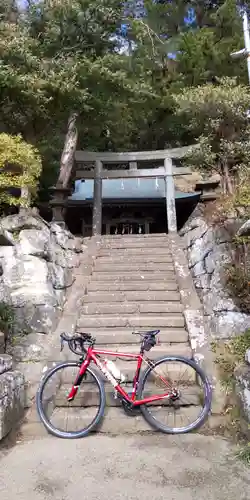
43, 417
207, 402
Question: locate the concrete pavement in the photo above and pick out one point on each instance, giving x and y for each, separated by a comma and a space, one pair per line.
152, 467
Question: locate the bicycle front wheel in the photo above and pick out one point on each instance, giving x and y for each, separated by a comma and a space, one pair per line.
188, 395
73, 419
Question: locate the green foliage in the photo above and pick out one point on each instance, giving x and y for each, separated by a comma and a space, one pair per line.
244, 454
217, 116
64, 56
229, 356
20, 166
7, 318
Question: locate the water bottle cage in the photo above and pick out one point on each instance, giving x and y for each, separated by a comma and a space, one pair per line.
148, 343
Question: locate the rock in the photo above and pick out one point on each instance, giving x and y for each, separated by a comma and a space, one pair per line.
17, 222
12, 400
195, 234
36, 295
75, 245
244, 230
193, 223
63, 258
7, 252
5, 364
6, 238
247, 356
200, 249
33, 347
4, 293
229, 324
33, 242
209, 263
242, 376
36, 318
26, 271
217, 302
61, 277
209, 253
58, 230
199, 269
202, 282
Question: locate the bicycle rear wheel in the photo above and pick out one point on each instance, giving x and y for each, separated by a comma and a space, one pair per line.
190, 403
73, 419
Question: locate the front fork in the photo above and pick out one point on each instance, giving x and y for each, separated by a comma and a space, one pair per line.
79, 378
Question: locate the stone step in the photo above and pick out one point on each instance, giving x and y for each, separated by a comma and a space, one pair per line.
137, 276
137, 267
146, 321
166, 298
126, 237
119, 423
88, 395
105, 336
132, 286
131, 307
140, 250
116, 421
136, 258
134, 243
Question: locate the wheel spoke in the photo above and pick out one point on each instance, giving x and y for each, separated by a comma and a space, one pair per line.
70, 418
189, 403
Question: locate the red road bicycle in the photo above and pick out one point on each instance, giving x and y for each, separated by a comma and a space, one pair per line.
155, 392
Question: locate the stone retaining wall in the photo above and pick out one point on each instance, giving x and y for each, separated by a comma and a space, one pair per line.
12, 395
208, 251
38, 263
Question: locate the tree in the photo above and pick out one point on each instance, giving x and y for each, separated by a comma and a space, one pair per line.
62, 59
20, 166
218, 116
204, 51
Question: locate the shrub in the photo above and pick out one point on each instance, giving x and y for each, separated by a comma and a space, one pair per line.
20, 167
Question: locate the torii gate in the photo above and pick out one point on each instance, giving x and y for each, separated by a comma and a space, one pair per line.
168, 171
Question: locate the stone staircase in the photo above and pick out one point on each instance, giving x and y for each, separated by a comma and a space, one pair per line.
133, 286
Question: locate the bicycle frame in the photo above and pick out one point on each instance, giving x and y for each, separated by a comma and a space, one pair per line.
93, 355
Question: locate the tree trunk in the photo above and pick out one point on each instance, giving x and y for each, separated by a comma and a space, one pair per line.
68, 154
227, 178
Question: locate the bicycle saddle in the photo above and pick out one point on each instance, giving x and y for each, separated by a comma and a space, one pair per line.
152, 333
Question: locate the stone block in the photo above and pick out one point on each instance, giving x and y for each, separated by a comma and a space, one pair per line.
33, 242
247, 356
32, 347
242, 375
11, 401
226, 325
61, 277
40, 318
5, 364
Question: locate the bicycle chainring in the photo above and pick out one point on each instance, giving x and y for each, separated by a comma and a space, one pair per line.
129, 409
